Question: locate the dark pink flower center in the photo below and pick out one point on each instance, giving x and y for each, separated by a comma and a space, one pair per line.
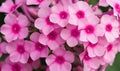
89, 29
16, 28
20, 49
63, 15
52, 35
13, 8
39, 46
60, 59
16, 67
92, 45
80, 14
108, 27
75, 32
109, 47
40, 1
117, 7
48, 21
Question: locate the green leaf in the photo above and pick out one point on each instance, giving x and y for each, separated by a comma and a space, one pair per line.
116, 64
93, 2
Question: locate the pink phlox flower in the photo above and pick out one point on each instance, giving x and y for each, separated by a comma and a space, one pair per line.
60, 60
39, 50
15, 27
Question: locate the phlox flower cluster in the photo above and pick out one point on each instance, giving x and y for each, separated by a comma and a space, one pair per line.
58, 35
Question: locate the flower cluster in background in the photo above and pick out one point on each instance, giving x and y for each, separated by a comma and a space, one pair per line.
59, 35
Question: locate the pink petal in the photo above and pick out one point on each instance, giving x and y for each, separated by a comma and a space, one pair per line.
91, 52
23, 33
72, 42
44, 12
66, 67
53, 45
59, 51
65, 34
15, 57
69, 57
55, 67
40, 23
23, 20
34, 37
10, 19
99, 50
92, 38
43, 39
54, 18
50, 59
83, 36
32, 2
35, 55
109, 37
24, 58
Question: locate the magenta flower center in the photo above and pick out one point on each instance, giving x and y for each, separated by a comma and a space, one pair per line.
40, 1
60, 59
75, 33
52, 35
48, 21
13, 8
39, 46
117, 7
16, 28
80, 14
63, 15
20, 49
108, 27
89, 29
109, 47
16, 67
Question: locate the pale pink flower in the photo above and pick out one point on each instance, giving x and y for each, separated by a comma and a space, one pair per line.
81, 11
39, 50
43, 22
71, 35
110, 53
60, 60
15, 27
52, 40
10, 66
90, 64
8, 6
88, 32
103, 3
109, 27
59, 15
41, 3
116, 6
19, 50
97, 49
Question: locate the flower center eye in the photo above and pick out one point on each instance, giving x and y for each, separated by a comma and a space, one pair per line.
80, 14
40, 1
75, 33
52, 35
109, 47
109, 28
48, 21
20, 49
63, 15
13, 8
39, 46
16, 67
16, 28
117, 7
89, 29
60, 60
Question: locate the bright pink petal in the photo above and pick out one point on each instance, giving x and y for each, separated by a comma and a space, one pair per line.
50, 59
69, 57
65, 34
72, 42
34, 37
